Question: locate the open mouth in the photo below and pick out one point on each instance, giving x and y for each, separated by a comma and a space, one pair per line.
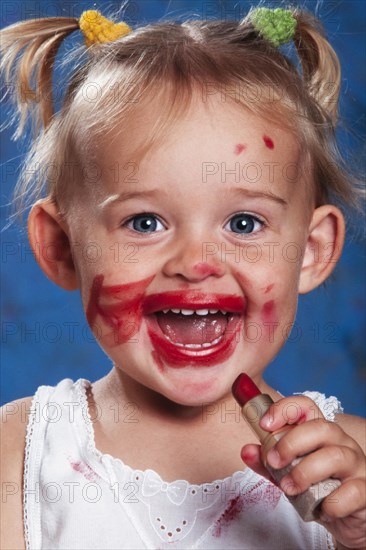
194, 329
204, 335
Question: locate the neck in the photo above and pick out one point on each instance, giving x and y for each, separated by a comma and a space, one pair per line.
118, 387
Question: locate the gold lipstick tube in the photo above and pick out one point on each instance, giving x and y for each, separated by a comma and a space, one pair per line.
307, 504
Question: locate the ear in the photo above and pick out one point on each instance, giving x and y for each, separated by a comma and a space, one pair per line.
48, 237
323, 248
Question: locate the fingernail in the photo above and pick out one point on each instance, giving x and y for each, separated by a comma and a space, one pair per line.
288, 486
266, 421
273, 458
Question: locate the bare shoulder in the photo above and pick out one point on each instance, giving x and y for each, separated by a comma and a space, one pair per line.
13, 427
355, 426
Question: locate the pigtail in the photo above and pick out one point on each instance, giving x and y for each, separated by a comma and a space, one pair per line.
28, 52
320, 65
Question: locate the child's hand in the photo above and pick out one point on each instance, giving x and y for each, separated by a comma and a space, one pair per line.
333, 454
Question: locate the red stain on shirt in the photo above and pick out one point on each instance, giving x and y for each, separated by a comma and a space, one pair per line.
230, 513
263, 497
268, 142
239, 148
84, 470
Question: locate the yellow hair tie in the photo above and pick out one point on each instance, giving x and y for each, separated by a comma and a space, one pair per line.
97, 29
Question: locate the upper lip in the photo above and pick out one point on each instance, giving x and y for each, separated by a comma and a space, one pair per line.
192, 300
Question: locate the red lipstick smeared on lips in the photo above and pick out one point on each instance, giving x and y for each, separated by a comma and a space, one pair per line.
196, 339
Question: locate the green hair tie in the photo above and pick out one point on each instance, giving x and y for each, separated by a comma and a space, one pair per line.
277, 26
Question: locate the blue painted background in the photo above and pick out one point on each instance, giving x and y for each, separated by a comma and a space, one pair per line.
44, 333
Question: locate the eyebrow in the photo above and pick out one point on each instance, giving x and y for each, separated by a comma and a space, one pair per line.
153, 193
127, 195
258, 194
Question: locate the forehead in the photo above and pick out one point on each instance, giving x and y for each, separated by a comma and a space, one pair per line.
212, 141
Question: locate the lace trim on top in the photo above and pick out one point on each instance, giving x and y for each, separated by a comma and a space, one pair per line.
81, 386
29, 483
329, 406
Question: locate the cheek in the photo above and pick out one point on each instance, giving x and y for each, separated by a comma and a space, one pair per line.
119, 307
269, 313
244, 281
158, 360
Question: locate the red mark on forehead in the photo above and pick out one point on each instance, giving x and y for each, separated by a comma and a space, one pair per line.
268, 142
119, 306
268, 288
239, 148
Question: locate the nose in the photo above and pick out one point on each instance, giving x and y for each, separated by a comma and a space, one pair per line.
194, 261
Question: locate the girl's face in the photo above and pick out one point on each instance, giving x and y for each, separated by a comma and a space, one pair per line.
189, 260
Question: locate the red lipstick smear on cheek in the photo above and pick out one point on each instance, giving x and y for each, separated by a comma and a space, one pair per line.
268, 142
243, 280
158, 360
119, 306
269, 320
239, 148
269, 312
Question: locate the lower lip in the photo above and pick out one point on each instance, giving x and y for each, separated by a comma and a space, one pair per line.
177, 356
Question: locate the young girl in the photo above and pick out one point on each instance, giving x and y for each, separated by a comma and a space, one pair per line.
206, 151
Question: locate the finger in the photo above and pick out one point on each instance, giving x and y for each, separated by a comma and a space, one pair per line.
348, 499
290, 410
251, 455
329, 462
306, 438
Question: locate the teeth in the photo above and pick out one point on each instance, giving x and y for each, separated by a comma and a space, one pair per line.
187, 311
196, 311
202, 311
196, 346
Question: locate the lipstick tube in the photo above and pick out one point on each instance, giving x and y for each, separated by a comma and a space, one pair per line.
254, 405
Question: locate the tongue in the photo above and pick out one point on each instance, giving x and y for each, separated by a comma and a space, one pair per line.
192, 329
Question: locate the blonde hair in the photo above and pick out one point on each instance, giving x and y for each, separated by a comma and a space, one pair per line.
170, 61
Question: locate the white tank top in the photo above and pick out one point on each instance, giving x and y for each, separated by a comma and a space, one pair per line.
76, 497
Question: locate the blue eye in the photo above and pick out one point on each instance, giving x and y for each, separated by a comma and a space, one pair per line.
144, 223
245, 224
